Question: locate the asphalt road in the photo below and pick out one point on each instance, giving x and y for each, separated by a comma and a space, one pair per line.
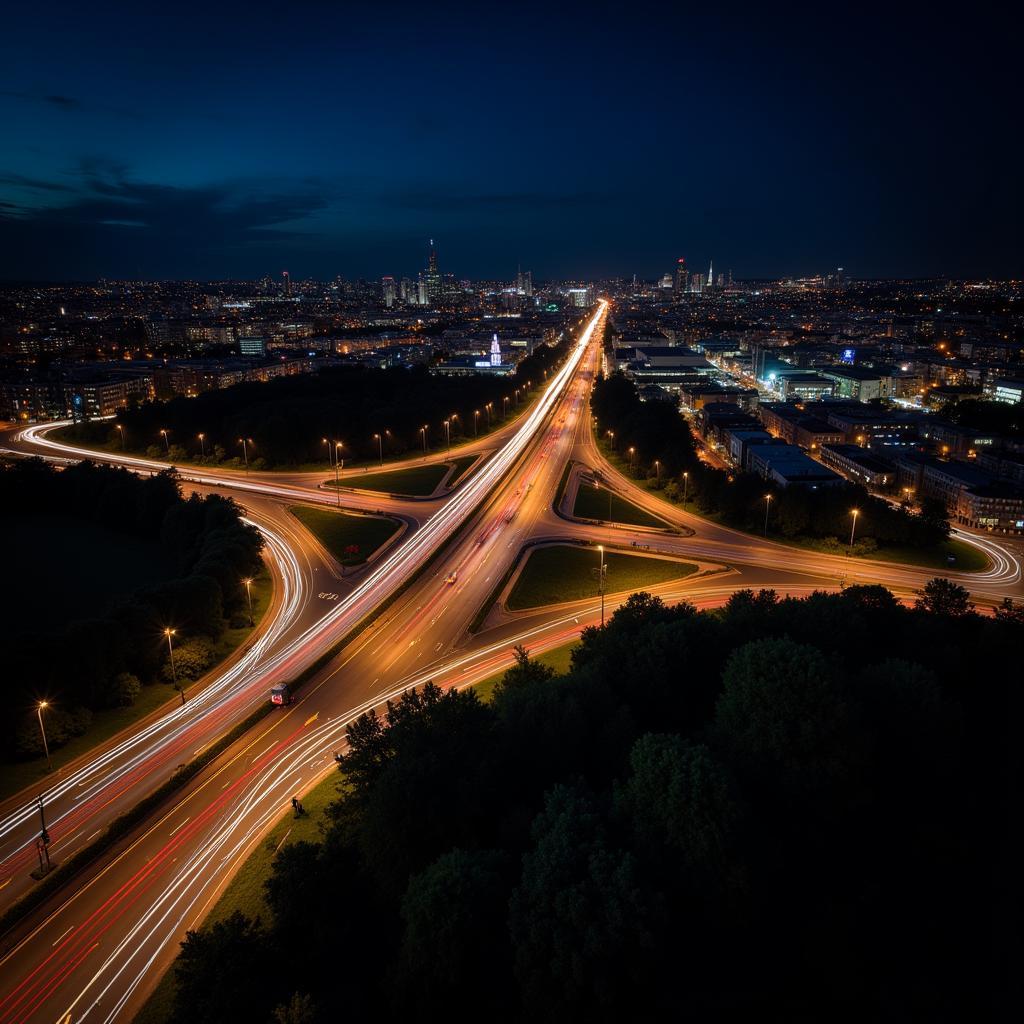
95, 953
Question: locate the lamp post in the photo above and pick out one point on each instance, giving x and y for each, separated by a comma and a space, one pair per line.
248, 597
379, 438
657, 470
448, 435
202, 445
504, 407
686, 484
120, 427
632, 453
854, 512
767, 505
423, 437
167, 444
600, 581
487, 409
40, 708
245, 450
330, 445
168, 632
476, 422
611, 434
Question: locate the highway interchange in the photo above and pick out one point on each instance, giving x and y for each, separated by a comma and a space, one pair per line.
96, 952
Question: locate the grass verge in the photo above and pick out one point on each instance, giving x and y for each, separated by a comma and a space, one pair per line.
607, 506
566, 573
416, 481
350, 538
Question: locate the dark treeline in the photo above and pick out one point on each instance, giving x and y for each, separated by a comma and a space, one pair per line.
99, 659
288, 418
720, 815
658, 432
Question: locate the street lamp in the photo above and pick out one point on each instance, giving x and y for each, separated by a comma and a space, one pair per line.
245, 450
686, 484
632, 452
504, 407
339, 464
611, 434
40, 707
600, 581
657, 469
379, 438
476, 422
854, 512
120, 427
423, 437
202, 445
448, 434
329, 445
167, 444
767, 505
168, 632
248, 596
487, 409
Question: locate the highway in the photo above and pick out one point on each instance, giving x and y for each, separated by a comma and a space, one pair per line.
95, 953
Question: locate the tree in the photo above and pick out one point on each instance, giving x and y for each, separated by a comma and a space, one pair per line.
224, 972
580, 925
524, 673
300, 1009
455, 949
943, 597
782, 716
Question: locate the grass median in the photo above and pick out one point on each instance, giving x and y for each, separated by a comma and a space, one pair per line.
415, 481
351, 539
562, 572
607, 506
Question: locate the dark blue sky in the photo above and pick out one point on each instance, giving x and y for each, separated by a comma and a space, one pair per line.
224, 140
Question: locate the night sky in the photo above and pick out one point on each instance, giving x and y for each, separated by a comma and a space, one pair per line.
584, 140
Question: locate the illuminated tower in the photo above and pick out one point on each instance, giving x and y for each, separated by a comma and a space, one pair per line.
495, 352
711, 274
682, 277
287, 284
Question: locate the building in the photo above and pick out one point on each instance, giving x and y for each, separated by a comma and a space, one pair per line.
682, 278
857, 464
252, 346
998, 507
803, 387
858, 383
1009, 390
388, 291
788, 466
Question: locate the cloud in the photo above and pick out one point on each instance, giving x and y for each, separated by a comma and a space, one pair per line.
68, 104
446, 198
113, 222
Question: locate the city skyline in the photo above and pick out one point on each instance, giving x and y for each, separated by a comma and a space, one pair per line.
770, 140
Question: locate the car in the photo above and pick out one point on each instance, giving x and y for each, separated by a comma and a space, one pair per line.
452, 577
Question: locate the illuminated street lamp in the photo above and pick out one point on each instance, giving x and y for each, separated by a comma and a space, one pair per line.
248, 597
487, 409
423, 437
611, 434
202, 444
167, 444
244, 442
174, 672
476, 422
632, 453
379, 438
504, 407
600, 580
120, 427
767, 505
686, 484
657, 469
339, 464
40, 708
854, 512
448, 434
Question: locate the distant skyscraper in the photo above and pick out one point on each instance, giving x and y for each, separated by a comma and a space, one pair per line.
430, 282
387, 287
287, 284
682, 277
711, 274
524, 283
495, 352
